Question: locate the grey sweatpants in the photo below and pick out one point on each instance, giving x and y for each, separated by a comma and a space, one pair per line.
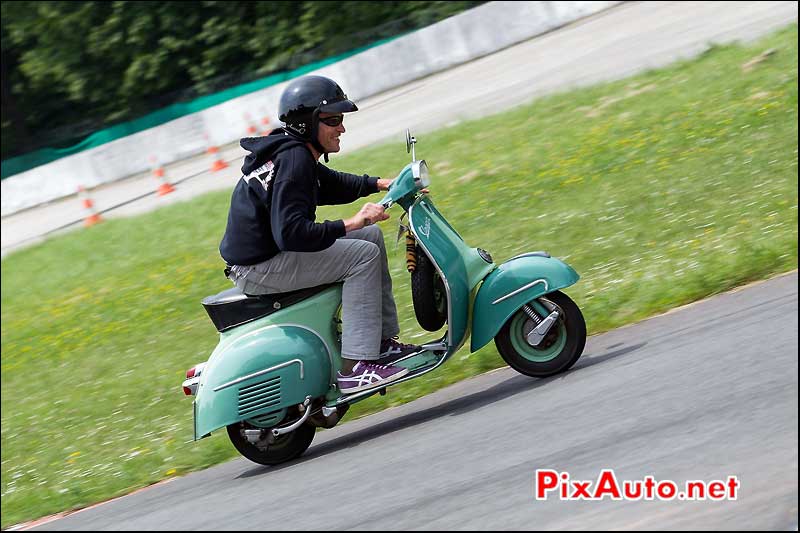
359, 260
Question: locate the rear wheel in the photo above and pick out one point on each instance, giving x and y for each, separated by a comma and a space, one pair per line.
284, 448
557, 352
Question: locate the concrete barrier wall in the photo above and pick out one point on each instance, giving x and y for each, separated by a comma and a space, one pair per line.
469, 35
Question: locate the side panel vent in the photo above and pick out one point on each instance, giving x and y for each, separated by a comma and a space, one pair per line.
259, 396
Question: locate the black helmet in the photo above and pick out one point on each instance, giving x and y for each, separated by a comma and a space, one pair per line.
304, 99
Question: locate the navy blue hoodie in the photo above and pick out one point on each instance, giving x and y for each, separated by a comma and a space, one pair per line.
273, 206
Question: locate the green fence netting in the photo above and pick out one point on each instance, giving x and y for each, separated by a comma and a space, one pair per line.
25, 162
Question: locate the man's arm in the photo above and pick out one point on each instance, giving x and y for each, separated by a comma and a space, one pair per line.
342, 188
292, 210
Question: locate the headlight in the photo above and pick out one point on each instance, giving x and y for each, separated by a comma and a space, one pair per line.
421, 177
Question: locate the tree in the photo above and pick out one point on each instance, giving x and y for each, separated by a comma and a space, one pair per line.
72, 67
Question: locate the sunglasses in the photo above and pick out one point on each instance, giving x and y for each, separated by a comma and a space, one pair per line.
333, 121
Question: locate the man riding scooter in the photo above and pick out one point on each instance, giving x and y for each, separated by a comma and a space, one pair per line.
273, 244
277, 372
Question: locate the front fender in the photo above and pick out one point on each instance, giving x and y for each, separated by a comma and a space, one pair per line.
258, 375
512, 285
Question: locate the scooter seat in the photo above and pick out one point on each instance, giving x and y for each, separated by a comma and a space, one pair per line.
232, 307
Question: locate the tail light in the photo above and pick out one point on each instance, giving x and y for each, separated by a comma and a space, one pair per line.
193, 379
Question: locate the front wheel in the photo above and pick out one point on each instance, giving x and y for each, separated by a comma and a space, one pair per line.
557, 352
428, 294
284, 448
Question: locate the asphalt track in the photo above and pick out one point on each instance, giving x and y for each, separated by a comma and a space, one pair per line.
702, 393
626, 39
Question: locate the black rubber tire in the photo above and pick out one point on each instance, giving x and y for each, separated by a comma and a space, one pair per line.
285, 448
570, 323
428, 294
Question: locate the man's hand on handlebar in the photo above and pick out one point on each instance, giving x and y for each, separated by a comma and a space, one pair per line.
368, 215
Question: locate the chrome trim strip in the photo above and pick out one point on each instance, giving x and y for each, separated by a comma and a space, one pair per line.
320, 337
259, 373
530, 254
521, 289
439, 271
259, 330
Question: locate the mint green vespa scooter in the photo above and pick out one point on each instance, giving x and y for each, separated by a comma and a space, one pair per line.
271, 381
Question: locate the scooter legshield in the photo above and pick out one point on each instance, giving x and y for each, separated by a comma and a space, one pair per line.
512, 285
259, 374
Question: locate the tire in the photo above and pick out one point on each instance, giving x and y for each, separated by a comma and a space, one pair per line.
285, 448
428, 294
557, 352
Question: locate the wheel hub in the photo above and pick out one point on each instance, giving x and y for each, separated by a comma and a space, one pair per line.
549, 339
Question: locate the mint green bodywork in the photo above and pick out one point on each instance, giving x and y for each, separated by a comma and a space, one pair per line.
500, 296
260, 368
403, 188
462, 269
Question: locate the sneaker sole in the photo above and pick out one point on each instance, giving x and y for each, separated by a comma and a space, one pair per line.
377, 384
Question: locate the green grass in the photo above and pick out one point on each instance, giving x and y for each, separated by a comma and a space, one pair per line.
659, 190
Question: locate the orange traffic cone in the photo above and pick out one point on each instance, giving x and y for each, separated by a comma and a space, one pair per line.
88, 204
266, 122
158, 171
218, 163
251, 127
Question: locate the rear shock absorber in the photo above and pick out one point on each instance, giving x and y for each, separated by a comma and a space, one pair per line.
411, 252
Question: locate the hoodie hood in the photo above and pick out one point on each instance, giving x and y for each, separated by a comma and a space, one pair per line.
263, 149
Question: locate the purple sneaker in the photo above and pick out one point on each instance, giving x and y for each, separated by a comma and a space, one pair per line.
392, 350
368, 375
